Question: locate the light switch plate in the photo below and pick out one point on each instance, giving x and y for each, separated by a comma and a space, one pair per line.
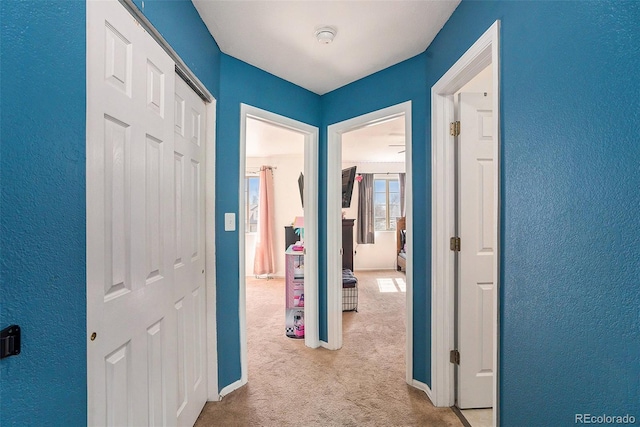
229, 221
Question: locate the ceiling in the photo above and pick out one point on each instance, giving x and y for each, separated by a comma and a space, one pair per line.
268, 140
382, 142
379, 143
279, 36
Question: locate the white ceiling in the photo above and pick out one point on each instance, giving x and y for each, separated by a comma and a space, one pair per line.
268, 140
278, 36
379, 143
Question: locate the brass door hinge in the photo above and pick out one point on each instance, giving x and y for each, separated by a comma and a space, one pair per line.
454, 244
454, 357
454, 128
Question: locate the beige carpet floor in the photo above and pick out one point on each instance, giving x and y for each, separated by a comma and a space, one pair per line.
363, 384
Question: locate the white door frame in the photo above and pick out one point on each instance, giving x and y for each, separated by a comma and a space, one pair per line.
484, 52
334, 225
310, 228
210, 251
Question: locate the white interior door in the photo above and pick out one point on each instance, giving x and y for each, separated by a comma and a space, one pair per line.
189, 260
475, 262
145, 236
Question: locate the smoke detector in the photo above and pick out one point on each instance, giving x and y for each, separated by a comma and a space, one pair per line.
325, 35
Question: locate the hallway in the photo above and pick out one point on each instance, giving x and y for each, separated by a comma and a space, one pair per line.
363, 384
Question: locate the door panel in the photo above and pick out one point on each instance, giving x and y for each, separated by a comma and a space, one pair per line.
156, 386
130, 281
178, 192
154, 244
189, 257
118, 201
475, 260
198, 351
182, 363
118, 373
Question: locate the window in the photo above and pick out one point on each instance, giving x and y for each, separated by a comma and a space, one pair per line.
386, 202
251, 189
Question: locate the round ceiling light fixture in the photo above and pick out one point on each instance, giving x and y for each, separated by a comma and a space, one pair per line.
325, 35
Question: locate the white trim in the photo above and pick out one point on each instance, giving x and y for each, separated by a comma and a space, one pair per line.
334, 224
334, 236
242, 282
485, 51
230, 388
408, 206
310, 226
210, 251
422, 386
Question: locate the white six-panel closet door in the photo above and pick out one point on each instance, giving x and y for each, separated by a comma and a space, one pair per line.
146, 349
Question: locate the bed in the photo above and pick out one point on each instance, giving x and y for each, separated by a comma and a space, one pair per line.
401, 243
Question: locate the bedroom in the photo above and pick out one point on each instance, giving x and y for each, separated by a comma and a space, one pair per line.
376, 150
269, 145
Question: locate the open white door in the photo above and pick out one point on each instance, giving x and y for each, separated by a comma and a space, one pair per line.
475, 263
145, 238
189, 262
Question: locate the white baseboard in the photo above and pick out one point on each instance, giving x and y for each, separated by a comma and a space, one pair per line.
422, 386
326, 345
231, 387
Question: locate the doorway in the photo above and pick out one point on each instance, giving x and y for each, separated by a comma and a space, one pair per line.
334, 224
309, 136
452, 267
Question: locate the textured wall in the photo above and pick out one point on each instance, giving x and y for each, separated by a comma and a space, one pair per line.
570, 326
570, 234
42, 221
243, 83
43, 212
394, 85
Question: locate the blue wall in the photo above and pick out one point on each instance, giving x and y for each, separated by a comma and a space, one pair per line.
394, 85
570, 231
43, 211
42, 198
243, 83
570, 258
570, 194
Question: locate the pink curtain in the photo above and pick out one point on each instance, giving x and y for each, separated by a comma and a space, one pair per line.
264, 262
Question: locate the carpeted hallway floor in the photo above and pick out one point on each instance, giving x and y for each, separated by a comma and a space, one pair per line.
363, 384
